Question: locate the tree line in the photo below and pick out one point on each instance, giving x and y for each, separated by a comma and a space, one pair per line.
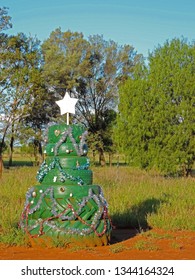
144, 110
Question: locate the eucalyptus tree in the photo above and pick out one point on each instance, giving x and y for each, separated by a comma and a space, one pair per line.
92, 70
19, 82
5, 19
5, 23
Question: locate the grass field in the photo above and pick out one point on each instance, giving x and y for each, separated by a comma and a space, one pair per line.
136, 199
141, 200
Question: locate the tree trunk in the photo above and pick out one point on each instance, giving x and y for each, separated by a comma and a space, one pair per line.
93, 156
41, 151
1, 150
11, 151
38, 152
1, 166
110, 159
102, 160
118, 161
2, 143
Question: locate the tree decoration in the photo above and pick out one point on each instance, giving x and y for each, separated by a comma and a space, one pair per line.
66, 204
44, 170
67, 105
65, 214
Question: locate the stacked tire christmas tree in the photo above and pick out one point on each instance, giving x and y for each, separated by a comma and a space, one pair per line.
66, 206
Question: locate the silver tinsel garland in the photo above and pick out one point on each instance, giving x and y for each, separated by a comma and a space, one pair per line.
55, 211
46, 132
80, 148
44, 169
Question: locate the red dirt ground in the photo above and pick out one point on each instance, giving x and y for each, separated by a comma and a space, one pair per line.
126, 245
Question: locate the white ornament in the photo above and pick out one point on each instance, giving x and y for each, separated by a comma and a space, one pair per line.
41, 191
54, 178
67, 104
71, 194
34, 194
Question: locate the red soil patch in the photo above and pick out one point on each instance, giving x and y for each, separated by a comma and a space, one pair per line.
126, 245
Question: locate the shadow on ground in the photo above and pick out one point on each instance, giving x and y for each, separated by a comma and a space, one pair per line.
134, 220
119, 235
17, 164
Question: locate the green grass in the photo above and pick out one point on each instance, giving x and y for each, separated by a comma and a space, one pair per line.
157, 236
118, 248
176, 245
141, 200
13, 186
145, 245
136, 199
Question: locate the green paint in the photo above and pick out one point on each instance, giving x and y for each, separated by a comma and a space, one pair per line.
66, 205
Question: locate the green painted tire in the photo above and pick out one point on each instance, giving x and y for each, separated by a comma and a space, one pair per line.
51, 240
66, 149
55, 132
69, 177
53, 213
62, 191
71, 162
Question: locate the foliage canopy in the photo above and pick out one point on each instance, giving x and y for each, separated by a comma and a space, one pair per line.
92, 70
156, 121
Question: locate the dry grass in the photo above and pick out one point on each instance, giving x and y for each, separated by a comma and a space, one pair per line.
139, 199
136, 199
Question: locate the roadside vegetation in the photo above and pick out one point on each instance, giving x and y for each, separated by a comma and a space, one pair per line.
137, 199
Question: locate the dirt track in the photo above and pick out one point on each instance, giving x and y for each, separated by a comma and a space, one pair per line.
126, 244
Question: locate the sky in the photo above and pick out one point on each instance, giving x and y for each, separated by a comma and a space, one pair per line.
143, 24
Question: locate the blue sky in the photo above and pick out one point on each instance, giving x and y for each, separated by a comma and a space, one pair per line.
142, 24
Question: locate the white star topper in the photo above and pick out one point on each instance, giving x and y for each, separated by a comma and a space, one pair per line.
67, 105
